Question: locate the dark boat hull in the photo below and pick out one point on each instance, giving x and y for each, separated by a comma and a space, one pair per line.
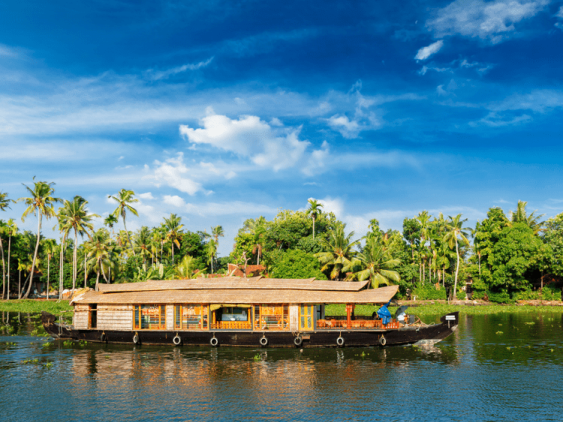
320, 338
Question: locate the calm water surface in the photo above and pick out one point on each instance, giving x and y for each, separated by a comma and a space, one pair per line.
499, 367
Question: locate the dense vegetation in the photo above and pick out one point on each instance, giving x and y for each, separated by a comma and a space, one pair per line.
504, 258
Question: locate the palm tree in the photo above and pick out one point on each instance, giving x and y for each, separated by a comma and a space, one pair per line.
314, 211
99, 252
12, 229
455, 231
4, 203
217, 232
110, 221
185, 269
40, 203
424, 220
64, 228
339, 252
211, 251
376, 265
77, 218
143, 243
520, 216
124, 198
173, 231
49, 246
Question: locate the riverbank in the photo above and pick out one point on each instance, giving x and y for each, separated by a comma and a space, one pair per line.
35, 306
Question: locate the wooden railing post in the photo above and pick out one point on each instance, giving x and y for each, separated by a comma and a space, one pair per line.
349, 308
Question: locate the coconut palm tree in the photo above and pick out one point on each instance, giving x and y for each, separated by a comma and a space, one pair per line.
143, 243
520, 216
314, 211
453, 236
49, 246
4, 204
185, 269
339, 252
173, 231
99, 252
77, 218
211, 251
424, 220
40, 203
217, 232
110, 221
11, 229
124, 198
376, 264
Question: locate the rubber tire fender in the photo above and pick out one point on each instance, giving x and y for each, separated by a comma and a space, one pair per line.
214, 342
103, 337
340, 341
298, 341
177, 340
136, 339
382, 340
263, 341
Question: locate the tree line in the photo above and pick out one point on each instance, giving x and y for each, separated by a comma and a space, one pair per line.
503, 258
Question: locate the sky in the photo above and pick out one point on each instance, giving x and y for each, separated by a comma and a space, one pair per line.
223, 111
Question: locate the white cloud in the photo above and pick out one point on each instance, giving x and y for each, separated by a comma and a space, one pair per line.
163, 74
174, 200
229, 208
348, 128
250, 137
427, 51
317, 160
172, 172
493, 21
499, 120
146, 195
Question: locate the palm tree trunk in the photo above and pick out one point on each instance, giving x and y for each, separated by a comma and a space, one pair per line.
173, 253
9, 253
456, 269
20, 284
3, 268
85, 273
127, 233
34, 255
314, 226
61, 269
479, 254
48, 273
74, 261
97, 277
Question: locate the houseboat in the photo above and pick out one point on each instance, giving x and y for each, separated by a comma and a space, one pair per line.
234, 311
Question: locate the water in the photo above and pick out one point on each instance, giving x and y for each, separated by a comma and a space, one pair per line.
499, 367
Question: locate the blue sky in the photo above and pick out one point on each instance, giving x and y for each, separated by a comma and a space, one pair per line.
221, 111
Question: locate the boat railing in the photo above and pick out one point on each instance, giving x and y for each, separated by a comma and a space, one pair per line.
356, 323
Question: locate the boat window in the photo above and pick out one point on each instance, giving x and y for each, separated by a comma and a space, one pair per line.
271, 317
93, 314
190, 317
150, 317
234, 314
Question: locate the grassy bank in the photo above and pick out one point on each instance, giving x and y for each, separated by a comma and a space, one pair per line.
442, 309
35, 306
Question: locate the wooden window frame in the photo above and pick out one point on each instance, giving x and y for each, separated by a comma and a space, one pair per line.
261, 320
138, 324
203, 324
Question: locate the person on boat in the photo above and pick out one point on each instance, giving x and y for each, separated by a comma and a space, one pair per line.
384, 314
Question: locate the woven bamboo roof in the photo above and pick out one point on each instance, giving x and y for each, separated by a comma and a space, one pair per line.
236, 296
235, 283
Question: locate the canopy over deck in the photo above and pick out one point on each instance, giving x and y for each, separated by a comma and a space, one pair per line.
243, 294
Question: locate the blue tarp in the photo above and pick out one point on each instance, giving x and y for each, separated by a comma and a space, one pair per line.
384, 314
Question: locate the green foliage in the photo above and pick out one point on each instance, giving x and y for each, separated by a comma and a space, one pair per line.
295, 263
500, 297
34, 306
428, 292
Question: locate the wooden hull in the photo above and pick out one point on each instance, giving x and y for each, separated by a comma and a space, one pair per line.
320, 338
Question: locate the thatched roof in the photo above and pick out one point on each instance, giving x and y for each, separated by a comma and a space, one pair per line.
239, 295
235, 283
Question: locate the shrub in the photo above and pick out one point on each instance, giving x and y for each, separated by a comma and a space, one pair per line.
500, 297
428, 292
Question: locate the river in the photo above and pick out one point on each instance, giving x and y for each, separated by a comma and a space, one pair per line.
501, 367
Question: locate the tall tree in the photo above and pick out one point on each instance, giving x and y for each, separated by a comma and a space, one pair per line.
314, 211
455, 234
49, 247
110, 221
173, 231
4, 203
339, 252
376, 265
40, 203
11, 230
124, 200
77, 218
520, 216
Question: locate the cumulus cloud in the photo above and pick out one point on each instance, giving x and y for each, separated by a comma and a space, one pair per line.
146, 195
427, 51
173, 173
251, 137
559, 15
174, 200
493, 21
348, 128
